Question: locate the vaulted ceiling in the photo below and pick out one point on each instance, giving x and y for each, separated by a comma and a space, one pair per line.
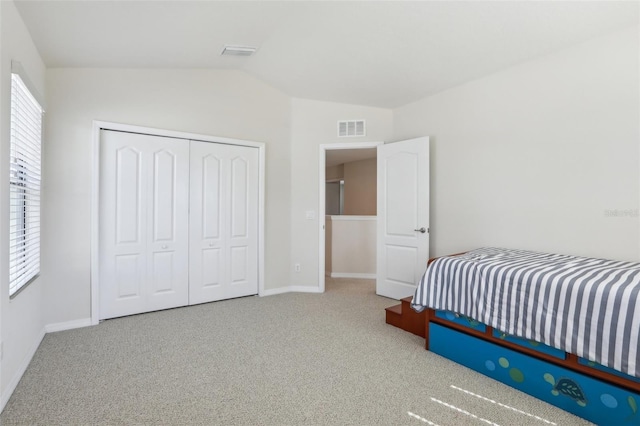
382, 54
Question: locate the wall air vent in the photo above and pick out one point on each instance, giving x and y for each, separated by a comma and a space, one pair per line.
351, 128
238, 51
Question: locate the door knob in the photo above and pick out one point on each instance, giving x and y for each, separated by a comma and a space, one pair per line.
423, 230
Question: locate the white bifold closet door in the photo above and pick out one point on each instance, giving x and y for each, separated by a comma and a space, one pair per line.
223, 247
144, 223
178, 222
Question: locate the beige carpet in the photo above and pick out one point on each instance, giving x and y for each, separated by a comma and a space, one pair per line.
291, 359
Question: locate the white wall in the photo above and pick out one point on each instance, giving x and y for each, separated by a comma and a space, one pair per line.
334, 172
21, 318
315, 123
360, 187
352, 242
219, 103
534, 156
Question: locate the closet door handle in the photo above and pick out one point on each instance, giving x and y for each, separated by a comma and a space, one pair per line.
423, 230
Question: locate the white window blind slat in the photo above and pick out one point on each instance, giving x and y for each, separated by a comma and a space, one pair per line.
24, 192
25, 121
18, 243
20, 266
19, 237
24, 186
24, 152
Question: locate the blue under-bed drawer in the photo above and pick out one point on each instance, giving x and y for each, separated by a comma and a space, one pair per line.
587, 397
531, 344
613, 371
461, 320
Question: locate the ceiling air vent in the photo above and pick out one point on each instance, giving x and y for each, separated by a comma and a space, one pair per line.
238, 50
351, 128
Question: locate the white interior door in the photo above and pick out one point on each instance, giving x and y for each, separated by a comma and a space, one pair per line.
143, 223
223, 222
403, 216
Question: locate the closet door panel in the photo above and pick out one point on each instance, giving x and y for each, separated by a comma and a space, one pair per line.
224, 222
207, 257
239, 263
129, 277
128, 209
210, 196
163, 274
243, 221
239, 193
168, 266
210, 268
143, 223
164, 195
122, 231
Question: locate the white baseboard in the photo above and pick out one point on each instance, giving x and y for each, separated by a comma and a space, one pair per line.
20, 372
353, 275
274, 291
69, 325
291, 289
304, 289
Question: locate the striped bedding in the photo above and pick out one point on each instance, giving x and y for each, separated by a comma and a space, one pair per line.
588, 307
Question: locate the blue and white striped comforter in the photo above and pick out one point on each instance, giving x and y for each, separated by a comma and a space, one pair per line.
588, 307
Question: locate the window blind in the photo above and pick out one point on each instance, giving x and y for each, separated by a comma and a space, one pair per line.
24, 186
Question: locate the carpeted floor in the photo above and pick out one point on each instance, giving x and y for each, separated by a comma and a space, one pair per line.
291, 359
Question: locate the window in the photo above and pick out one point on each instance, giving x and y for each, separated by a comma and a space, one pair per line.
24, 186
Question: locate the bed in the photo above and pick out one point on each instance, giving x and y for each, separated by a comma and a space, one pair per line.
562, 328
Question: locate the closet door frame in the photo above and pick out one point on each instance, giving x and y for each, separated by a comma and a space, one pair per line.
98, 126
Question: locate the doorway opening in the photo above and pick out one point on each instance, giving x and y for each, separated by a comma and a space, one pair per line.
347, 210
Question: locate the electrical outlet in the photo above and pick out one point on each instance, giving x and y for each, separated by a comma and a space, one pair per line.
297, 267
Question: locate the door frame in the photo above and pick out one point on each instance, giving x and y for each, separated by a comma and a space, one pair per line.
98, 126
321, 201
